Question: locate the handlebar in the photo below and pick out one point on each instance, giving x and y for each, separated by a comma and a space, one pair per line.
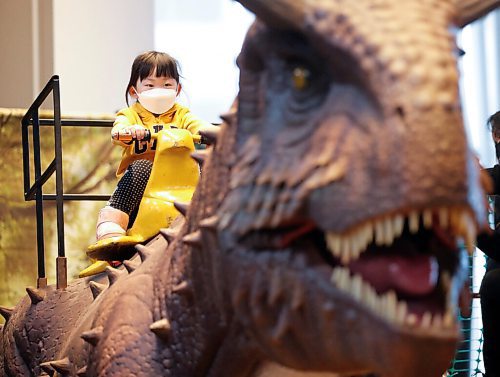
127, 137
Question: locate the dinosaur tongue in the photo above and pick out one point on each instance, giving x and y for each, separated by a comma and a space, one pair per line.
415, 275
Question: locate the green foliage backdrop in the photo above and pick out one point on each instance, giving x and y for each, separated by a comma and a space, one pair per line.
89, 164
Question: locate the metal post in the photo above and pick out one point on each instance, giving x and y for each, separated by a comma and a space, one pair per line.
61, 263
39, 201
35, 192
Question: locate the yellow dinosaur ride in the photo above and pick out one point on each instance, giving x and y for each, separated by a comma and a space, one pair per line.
173, 179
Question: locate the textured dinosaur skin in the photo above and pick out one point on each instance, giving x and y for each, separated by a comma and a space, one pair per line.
321, 238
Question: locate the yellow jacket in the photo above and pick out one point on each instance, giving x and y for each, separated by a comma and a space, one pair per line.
177, 117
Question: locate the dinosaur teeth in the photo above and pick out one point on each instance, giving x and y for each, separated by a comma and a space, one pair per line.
350, 245
413, 221
387, 306
443, 216
464, 227
450, 314
458, 222
470, 232
426, 320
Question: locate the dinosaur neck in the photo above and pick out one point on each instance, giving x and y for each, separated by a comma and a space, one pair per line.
188, 287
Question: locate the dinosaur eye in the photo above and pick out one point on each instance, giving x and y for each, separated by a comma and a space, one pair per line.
301, 77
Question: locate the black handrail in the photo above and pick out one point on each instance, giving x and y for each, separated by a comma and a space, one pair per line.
35, 191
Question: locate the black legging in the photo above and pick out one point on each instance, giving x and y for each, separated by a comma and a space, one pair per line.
128, 193
490, 309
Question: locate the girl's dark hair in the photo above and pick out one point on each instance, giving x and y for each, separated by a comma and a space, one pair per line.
493, 122
146, 63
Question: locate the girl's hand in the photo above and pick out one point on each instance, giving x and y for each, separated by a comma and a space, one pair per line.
136, 131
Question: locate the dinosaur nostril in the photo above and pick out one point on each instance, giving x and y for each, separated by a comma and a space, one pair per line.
400, 112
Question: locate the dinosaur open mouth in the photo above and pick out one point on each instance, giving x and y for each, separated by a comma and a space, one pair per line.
401, 267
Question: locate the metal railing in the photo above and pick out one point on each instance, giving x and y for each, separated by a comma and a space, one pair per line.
35, 191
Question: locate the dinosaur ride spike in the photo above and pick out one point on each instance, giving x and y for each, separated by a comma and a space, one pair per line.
92, 336
238, 296
82, 372
36, 295
209, 222
228, 117
130, 266
143, 251
470, 10
96, 288
200, 156
62, 366
169, 234
181, 207
6, 312
47, 368
281, 328
192, 239
209, 136
113, 274
183, 288
275, 289
161, 328
297, 297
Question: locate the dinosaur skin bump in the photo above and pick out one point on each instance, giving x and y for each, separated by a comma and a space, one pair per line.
36, 295
96, 288
93, 336
6, 312
200, 156
321, 240
181, 207
62, 366
130, 266
143, 251
169, 234
82, 372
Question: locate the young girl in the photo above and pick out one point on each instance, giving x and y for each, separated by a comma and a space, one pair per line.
154, 84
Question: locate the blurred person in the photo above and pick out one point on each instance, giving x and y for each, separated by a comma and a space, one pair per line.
490, 285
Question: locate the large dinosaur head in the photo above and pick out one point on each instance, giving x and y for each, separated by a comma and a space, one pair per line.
352, 184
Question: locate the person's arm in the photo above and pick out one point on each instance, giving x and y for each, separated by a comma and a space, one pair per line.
494, 174
194, 124
489, 243
124, 123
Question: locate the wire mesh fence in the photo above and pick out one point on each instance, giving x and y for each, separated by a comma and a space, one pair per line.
468, 361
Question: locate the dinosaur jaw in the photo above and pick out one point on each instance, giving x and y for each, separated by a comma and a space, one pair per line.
402, 266
449, 224
402, 282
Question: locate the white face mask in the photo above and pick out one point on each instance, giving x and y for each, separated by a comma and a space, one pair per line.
157, 100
